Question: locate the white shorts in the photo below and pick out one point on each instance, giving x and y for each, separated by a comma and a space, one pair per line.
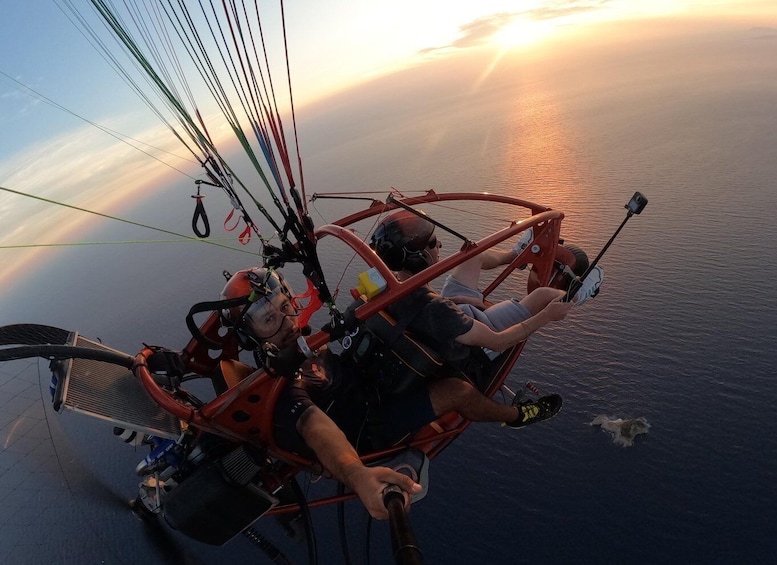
498, 317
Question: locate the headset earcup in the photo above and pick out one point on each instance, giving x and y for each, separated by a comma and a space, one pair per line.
415, 261
393, 256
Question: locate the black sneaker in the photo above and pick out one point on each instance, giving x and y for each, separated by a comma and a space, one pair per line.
535, 410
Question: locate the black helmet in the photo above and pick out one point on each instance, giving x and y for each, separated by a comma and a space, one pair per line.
402, 241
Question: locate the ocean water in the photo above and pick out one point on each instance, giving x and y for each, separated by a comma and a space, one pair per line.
682, 334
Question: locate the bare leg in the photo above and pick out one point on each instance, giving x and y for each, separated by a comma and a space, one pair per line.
468, 273
450, 394
537, 299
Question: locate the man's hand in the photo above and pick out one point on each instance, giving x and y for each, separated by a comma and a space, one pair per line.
370, 482
282, 362
341, 460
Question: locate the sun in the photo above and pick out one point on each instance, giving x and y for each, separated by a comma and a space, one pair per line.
523, 32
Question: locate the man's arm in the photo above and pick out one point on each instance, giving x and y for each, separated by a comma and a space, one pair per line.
483, 336
339, 457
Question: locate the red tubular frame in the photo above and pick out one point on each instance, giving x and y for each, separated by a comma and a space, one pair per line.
244, 412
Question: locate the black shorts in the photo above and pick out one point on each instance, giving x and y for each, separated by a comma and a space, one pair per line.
406, 414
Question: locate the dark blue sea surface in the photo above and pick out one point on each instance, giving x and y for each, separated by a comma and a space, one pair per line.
683, 333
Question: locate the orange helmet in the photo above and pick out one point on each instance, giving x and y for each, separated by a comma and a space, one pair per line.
270, 301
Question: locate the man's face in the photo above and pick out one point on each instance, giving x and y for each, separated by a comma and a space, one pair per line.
273, 319
433, 249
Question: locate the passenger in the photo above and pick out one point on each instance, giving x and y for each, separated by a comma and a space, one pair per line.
407, 244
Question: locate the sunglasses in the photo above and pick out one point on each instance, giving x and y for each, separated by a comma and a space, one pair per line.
433, 243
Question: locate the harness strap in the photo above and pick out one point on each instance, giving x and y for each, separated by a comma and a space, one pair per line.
215, 305
388, 328
200, 215
419, 358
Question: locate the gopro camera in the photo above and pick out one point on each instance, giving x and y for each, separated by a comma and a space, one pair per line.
637, 203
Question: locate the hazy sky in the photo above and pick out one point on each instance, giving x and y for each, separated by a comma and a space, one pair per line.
333, 44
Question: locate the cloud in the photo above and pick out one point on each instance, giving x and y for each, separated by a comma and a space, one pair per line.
89, 169
22, 103
480, 31
82, 167
564, 9
763, 32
